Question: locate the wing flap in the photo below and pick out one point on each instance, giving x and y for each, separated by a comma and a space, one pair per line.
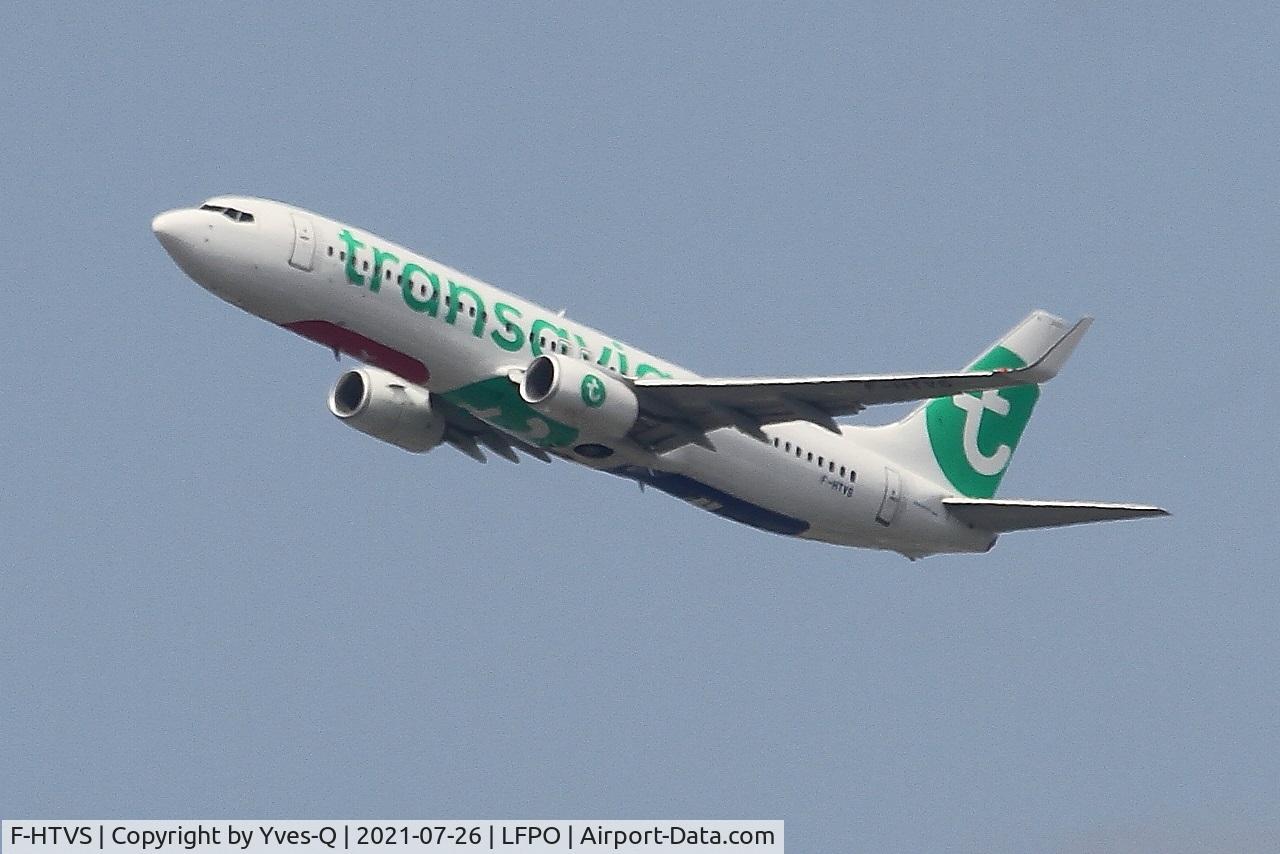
467, 433
999, 516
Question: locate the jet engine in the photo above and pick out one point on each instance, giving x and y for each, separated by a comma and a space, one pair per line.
384, 406
581, 395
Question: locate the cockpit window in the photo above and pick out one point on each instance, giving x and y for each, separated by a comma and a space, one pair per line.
230, 213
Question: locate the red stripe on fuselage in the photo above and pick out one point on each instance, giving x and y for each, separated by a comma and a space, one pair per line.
359, 347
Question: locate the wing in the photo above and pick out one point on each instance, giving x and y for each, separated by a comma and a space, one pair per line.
467, 433
1000, 516
677, 412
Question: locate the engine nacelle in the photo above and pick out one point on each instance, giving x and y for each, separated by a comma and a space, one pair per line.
386, 407
581, 395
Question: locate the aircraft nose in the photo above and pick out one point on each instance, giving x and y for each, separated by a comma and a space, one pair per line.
177, 231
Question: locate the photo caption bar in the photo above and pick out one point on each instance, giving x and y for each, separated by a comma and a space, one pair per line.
221, 835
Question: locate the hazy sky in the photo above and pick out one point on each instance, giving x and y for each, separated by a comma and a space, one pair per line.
218, 601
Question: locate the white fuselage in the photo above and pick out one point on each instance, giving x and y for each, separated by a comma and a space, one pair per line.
355, 292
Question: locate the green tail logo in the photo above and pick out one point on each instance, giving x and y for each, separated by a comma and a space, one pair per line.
974, 434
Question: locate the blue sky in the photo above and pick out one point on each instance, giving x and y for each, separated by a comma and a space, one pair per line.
217, 601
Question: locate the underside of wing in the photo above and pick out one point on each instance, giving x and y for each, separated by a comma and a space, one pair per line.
1001, 516
470, 435
675, 412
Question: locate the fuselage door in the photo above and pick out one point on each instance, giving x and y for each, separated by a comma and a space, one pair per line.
892, 496
304, 242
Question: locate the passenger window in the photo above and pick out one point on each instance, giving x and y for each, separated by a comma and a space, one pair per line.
811, 456
831, 466
788, 447
330, 251
819, 462
842, 471
853, 476
797, 452
342, 255
775, 441
366, 265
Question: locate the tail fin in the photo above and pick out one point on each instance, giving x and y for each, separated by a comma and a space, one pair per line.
967, 440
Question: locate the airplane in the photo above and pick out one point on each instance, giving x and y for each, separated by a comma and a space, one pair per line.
450, 360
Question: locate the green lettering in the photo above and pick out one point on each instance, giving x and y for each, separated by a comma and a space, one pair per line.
535, 333
622, 359
378, 257
455, 306
644, 369
430, 305
503, 314
353, 275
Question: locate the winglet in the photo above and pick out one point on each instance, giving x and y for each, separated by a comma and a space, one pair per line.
1047, 366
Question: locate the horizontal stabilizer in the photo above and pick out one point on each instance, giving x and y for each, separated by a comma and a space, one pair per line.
1001, 516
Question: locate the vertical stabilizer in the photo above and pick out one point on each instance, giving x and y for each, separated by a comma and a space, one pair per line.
965, 441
